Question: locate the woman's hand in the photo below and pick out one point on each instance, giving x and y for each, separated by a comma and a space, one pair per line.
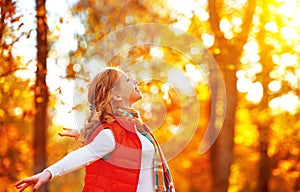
37, 180
70, 133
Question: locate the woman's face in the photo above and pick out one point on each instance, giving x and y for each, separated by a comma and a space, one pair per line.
129, 92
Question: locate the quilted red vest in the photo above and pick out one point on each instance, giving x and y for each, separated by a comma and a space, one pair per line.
120, 172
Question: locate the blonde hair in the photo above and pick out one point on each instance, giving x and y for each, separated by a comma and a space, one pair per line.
99, 96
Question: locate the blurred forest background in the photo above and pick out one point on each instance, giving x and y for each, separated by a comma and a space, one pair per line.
256, 43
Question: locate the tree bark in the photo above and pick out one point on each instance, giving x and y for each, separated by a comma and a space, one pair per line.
222, 150
41, 91
264, 167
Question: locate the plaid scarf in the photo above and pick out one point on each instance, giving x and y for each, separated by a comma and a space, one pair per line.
162, 177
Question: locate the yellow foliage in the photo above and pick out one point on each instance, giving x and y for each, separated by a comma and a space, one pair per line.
270, 53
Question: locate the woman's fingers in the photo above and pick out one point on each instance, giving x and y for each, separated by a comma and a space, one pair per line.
21, 187
24, 186
37, 185
66, 129
19, 183
69, 132
37, 180
24, 183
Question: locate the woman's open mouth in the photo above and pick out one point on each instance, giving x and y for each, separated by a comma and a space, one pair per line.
137, 89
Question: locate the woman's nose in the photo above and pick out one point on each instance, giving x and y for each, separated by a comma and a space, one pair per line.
135, 81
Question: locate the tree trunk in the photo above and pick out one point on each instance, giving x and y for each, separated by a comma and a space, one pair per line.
222, 150
264, 171
264, 162
41, 91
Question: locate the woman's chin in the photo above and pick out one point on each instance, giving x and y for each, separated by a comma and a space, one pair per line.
137, 98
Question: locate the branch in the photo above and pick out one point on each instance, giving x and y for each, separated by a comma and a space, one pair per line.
11, 71
2, 23
247, 20
214, 18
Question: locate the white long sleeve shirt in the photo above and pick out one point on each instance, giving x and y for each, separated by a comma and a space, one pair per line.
103, 144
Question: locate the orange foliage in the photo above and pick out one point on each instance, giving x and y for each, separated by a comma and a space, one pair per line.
277, 111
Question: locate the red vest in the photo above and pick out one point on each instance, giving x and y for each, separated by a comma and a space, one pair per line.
121, 171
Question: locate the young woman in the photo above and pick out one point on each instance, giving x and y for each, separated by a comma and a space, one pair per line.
119, 152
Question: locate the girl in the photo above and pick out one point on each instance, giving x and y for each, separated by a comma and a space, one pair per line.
120, 153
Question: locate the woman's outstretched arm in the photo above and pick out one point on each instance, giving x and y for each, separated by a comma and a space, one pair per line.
103, 144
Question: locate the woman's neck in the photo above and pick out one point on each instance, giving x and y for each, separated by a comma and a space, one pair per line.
121, 106
126, 112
